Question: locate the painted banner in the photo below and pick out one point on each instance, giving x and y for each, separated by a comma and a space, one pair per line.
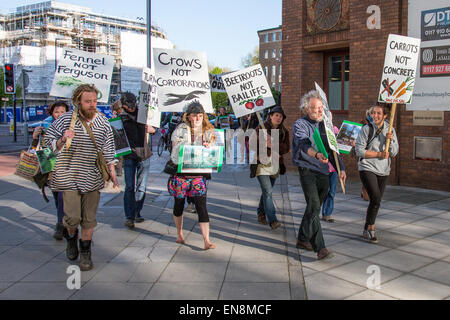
217, 82
148, 112
399, 71
75, 67
120, 137
347, 135
248, 90
430, 21
199, 159
328, 120
182, 77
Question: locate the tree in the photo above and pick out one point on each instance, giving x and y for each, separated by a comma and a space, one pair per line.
251, 58
219, 99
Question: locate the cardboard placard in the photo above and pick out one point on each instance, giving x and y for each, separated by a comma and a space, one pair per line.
248, 90
120, 137
399, 70
347, 135
76, 67
148, 111
182, 77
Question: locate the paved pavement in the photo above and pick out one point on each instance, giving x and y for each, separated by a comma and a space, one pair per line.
250, 261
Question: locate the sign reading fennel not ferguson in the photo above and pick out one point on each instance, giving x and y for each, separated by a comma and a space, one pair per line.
399, 71
182, 77
248, 90
76, 67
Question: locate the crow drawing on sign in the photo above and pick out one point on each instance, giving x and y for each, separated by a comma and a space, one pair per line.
177, 98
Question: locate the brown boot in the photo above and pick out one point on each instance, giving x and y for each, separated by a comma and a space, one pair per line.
324, 254
85, 255
262, 219
304, 245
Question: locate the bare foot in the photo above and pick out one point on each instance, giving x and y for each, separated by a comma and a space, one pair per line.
180, 240
209, 246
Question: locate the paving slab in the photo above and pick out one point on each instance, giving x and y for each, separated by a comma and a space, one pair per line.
254, 291
112, 291
370, 295
173, 291
410, 287
438, 271
399, 260
319, 288
427, 248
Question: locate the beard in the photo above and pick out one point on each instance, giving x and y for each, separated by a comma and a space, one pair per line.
88, 113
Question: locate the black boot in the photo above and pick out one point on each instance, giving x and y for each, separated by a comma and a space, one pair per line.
72, 245
58, 235
85, 255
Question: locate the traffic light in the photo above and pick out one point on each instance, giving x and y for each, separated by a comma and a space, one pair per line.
10, 84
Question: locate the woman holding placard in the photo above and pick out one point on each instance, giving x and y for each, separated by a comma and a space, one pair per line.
196, 130
374, 164
55, 110
267, 174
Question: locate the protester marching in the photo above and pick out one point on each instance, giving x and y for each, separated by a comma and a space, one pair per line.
88, 147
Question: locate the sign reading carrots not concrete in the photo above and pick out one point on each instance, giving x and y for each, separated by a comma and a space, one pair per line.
248, 90
399, 71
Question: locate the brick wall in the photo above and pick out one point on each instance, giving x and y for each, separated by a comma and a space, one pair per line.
301, 68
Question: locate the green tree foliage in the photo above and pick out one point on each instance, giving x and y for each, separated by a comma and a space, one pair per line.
251, 58
219, 99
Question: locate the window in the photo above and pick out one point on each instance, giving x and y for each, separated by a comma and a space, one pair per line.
280, 53
274, 53
274, 36
265, 71
266, 37
266, 54
274, 70
279, 36
337, 68
279, 74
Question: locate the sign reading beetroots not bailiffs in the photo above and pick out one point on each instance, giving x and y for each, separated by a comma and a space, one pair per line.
182, 77
248, 90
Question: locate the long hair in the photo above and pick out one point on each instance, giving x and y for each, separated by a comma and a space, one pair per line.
206, 125
76, 95
283, 131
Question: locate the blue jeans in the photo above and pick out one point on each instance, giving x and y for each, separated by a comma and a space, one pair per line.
328, 205
266, 205
136, 176
59, 204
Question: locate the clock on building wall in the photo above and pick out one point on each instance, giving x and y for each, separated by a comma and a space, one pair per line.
327, 15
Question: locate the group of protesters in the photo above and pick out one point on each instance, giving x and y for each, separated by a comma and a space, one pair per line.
77, 176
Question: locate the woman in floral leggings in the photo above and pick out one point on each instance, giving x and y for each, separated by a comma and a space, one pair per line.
196, 130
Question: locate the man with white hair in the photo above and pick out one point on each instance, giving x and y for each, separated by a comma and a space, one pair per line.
313, 169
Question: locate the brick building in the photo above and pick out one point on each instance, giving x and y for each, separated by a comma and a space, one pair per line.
341, 45
270, 55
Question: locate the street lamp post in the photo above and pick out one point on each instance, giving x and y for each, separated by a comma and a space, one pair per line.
25, 83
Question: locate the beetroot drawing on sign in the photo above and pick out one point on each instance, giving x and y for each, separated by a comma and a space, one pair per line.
250, 103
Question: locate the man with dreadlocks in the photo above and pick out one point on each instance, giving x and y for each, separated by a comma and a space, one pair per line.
76, 173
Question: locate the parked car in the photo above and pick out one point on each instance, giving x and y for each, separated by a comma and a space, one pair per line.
234, 125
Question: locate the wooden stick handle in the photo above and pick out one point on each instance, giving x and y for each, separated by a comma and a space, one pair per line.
391, 123
72, 125
260, 119
339, 171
